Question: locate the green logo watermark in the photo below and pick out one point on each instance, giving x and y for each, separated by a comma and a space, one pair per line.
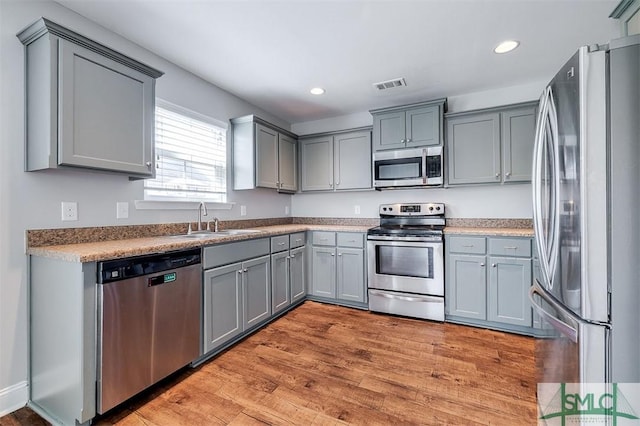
589, 403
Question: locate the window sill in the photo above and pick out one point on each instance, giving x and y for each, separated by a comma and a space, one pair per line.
179, 205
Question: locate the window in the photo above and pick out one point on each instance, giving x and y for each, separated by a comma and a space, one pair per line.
191, 157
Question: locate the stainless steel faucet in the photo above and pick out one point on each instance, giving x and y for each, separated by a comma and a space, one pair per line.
202, 211
215, 224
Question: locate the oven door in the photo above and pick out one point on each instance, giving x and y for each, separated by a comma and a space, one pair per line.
406, 266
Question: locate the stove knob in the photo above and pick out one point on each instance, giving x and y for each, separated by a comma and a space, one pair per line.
438, 208
430, 208
390, 209
384, 209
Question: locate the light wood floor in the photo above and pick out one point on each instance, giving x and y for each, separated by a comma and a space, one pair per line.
323, 364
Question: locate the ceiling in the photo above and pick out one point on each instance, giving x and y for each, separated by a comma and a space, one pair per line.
271, 53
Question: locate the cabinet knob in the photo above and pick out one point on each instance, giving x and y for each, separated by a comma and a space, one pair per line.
403, 141
332, 254
339, 254
493, 265
292, 256
408, 140
497, 175
240, 271
148, 163
507, 175
482, 264
245, 270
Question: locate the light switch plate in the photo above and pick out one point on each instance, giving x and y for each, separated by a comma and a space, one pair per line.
69, 210
356, 209
243, 210
286, 210
122, 210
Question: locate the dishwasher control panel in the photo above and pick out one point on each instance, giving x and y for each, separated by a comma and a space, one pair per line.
131, 267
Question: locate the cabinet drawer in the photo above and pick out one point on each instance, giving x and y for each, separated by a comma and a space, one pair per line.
297, 240
324, 238
279, 243
518, 247
472, 245
348, 239
225, 254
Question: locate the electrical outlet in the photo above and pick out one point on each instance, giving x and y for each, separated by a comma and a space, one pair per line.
356, 209
122, 209
69, 210
243, 210
286, 210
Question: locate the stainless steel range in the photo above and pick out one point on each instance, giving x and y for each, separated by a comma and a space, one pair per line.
406, 261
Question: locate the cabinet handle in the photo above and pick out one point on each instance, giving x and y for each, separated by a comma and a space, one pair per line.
510, 248
148, 163
408, 140
468, 245
482, 264
323, 239
299, 240
403, 141
497, 175
351, 241
292, 256
493, 265
332, 254
339, 254
245, 270
281, 244
240, 271
507, 175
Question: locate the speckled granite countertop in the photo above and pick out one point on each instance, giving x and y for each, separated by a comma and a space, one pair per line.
114, 249
498, 232
114, 242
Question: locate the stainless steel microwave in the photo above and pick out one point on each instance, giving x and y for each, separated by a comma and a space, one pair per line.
408, 168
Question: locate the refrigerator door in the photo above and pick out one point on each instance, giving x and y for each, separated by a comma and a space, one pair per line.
571, 350
569, 186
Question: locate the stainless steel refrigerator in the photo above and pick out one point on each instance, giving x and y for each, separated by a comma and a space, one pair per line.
586, 201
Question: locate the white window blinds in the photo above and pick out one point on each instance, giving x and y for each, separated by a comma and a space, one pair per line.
191, 158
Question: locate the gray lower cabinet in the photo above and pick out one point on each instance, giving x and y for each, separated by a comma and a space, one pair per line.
487, 283
288, 270
491, 146
338, 270
237, 290
264, 155
87, 105
409, 126
337, 161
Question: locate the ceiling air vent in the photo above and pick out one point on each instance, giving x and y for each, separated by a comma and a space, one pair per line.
390, 84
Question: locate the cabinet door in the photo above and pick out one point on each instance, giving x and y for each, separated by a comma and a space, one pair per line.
518, 133
422, 126
106, 111
323, 269
389, 131
297, 272
509, 282
473, 144
467, 286
256, 291
350, 271
316, 165
280, 293
287, 164
222, 305
266, 140
352, 160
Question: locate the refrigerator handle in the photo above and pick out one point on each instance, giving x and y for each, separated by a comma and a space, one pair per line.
536, 180
561, 326
555, 216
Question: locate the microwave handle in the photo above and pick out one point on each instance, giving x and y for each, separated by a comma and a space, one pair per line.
424, 166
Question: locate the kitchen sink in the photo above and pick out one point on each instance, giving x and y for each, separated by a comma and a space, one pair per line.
222, 233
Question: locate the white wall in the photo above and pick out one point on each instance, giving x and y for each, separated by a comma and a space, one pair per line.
32, 200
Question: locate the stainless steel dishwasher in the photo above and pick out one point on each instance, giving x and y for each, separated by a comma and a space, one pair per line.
148, 321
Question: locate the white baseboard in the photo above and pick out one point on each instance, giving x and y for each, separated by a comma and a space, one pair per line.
13, 398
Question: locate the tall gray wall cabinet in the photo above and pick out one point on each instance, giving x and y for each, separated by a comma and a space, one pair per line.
408, 126
492, 145
264, 155
88, 106
336, 161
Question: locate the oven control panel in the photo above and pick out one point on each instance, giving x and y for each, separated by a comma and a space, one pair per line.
417, 209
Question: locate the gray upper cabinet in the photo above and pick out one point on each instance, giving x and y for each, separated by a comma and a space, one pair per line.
264, 155
336, 161
408, 126
87, 105
491, 146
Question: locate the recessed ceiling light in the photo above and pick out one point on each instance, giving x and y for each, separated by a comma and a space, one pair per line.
506, 46
317, 91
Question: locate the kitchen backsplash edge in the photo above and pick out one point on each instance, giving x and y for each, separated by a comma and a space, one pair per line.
63, 236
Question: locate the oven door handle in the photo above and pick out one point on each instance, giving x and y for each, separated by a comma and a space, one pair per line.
437, 240
428, 299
